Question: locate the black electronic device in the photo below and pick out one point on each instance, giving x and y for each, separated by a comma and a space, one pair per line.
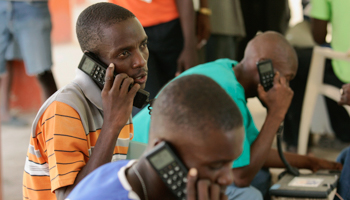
318, 185
266, 73
170, 168
96, 69
295, 185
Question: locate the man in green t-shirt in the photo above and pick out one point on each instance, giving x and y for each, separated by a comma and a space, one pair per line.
337, 13
241, 81
337, 72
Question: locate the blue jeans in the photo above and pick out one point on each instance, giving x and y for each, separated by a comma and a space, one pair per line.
259, 187
245, 193
344, 181
262, 181
28, 25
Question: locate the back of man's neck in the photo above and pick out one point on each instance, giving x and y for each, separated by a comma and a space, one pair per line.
244, 78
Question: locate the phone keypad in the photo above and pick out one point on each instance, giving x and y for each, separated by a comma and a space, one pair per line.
175, 179
267, 80
99, 74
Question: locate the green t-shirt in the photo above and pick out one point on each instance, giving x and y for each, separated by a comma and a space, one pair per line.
221, 72
337, 13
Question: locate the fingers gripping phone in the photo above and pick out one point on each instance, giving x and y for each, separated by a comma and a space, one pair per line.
96, 69
170, 168
266, 73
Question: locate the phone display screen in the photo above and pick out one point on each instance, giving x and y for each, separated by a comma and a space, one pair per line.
265, 67
88, 65
161, 159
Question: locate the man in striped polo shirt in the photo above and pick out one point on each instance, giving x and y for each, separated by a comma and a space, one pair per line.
83, 126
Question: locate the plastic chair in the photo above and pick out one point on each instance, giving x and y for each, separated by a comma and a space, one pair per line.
316, 87
136, 149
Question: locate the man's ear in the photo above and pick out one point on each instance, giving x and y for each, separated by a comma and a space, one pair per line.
156, 141
152, 143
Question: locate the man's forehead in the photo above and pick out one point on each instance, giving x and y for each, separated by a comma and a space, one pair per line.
209, 140
221, 146
122, 35
124, 31
285, 62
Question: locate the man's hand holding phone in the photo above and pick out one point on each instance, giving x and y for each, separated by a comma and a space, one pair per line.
202, 189
278, 98
117, 99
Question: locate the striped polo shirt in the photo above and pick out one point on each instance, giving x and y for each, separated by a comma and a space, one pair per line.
63, 137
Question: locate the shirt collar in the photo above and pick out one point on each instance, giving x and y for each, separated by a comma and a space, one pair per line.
89, 88
124, 181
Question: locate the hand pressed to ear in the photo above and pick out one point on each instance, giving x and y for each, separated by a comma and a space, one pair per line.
278, 98
117, 100
202, 189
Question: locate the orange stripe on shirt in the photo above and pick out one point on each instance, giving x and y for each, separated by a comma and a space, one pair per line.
64, 145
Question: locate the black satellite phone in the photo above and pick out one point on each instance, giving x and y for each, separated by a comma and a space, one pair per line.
266, 73
170, 168
96, 69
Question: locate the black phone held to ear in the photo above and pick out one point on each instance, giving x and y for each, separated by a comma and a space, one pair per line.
266, 73
96, 69
171, 170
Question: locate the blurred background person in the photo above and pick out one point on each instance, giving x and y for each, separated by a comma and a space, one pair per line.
227, 27
336, 72
344, 157
29, 24
262, 15
12, 53
318, 14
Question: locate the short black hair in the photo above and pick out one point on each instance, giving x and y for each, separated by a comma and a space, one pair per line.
93, 19
197, 102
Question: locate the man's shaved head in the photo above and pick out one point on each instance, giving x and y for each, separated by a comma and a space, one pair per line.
274, 46
192, 105
94, 19
267, 45
203, 125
